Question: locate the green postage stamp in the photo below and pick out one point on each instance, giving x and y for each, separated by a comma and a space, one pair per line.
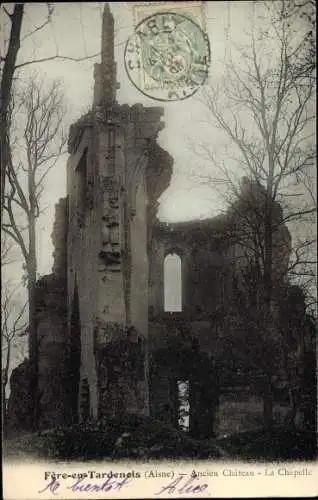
167, 58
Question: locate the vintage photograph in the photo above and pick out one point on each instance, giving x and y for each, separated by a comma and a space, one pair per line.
158, 234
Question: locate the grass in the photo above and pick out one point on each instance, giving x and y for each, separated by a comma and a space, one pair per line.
130, 437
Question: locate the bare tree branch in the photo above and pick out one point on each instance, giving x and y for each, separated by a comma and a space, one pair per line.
12, 324
50, 10
56, 57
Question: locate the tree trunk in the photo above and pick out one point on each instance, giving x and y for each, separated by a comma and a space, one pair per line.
6, 87
268, 355
32, 316
268, 284
33, 338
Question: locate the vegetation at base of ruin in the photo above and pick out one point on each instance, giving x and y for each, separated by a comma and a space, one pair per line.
143, 438
276, 444
130, 436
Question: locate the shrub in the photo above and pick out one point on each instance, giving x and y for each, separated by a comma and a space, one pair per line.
131, 436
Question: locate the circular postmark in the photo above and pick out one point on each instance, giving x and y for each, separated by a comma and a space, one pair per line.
168, 56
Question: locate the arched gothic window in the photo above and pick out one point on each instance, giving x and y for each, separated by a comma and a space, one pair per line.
172, 283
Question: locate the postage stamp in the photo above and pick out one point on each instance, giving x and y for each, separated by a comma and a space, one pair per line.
167, 58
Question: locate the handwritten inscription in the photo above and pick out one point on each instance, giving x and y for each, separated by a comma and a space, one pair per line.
82, 486
183, 485
163, 483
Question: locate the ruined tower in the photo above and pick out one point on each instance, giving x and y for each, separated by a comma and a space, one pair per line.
113, 187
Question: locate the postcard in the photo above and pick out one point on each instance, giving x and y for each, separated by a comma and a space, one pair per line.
158, 202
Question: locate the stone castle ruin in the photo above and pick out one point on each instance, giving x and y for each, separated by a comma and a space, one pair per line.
106, 345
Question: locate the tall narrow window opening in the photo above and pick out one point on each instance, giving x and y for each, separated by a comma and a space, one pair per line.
183, 405
172, 283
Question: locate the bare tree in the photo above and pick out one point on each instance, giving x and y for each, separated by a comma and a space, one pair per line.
263, 106
40, 112
13, 321
13, 329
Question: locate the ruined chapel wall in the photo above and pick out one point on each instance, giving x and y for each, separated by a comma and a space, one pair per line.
206, 279
51, 366
83, 246
204, 271
139, 260
156, 276
123, 287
